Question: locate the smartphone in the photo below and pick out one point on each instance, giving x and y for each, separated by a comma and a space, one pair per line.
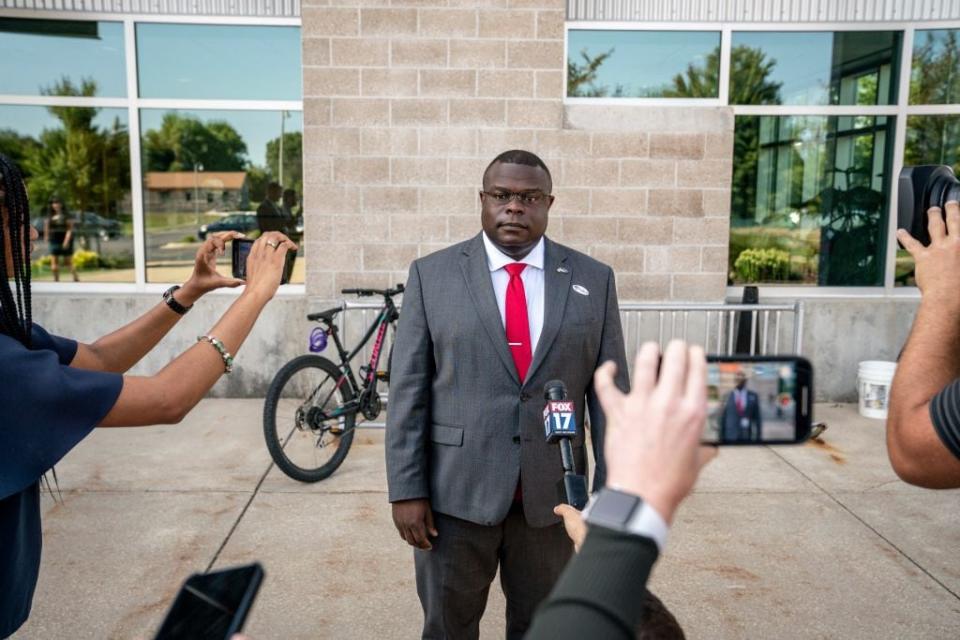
758, 400
212, 606
241, 249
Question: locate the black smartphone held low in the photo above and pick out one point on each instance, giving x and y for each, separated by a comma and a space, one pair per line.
241, 249
758, 400
212, 606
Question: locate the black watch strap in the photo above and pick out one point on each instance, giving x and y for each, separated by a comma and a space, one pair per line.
172, 302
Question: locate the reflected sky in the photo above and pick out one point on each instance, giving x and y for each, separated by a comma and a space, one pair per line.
219, 62
803, 62
31, 121
36, 53
644, 62
257, 128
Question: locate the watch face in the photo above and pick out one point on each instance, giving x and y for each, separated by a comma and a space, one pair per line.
614, 507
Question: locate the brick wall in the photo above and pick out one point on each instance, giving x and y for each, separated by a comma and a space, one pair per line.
406, 102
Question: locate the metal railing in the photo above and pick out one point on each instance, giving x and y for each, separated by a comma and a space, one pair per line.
774, 329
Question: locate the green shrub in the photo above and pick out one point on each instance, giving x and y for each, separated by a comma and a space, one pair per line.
762, 265
188, 239
85, 260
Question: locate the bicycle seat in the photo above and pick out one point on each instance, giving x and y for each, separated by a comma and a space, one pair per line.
324, 315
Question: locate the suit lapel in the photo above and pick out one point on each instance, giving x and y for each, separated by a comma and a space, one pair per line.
556, 288
476, 272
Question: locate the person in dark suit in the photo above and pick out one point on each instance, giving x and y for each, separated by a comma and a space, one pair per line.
740, 420
485, 324
270, 217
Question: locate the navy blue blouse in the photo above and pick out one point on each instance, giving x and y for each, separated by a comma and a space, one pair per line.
46, 408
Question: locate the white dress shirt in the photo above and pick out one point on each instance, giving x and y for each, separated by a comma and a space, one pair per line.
533, 286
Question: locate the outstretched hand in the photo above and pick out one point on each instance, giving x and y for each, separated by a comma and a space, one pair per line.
205, 277
653, 433
937, 265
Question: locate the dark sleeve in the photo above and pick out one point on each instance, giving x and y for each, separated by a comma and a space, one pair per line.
945, 415
48, 407
600, 593
611, 348
411, 379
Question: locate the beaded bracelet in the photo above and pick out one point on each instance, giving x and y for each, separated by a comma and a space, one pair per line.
222, 350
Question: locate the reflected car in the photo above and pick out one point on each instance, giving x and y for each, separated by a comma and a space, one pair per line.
86, 224
236, 222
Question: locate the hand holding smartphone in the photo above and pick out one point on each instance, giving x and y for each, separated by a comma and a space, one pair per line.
758, 400
212, 606
241, 249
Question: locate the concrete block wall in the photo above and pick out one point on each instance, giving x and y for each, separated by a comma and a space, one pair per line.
407, 101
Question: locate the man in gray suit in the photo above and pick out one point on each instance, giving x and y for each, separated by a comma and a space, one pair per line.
485, 324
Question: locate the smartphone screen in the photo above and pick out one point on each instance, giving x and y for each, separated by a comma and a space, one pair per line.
759, 400
212, 605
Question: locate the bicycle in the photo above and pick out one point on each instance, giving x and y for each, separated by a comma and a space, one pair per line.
312, 405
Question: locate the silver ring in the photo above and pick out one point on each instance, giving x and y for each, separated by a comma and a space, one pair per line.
273, 244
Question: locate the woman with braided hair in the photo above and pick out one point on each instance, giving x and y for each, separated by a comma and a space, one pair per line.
54, 391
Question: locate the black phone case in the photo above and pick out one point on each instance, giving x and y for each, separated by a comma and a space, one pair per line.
172, 629
239, 263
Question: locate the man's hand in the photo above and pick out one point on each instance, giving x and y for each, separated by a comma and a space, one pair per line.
414, 521
573, 523
938, 266
653, 433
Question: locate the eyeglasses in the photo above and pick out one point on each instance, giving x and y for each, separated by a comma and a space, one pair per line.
523, 197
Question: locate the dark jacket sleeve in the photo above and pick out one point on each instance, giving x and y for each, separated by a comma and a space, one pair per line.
600, 593
411, 380
611, 348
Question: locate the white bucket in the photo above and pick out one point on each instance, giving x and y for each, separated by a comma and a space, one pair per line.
874, 378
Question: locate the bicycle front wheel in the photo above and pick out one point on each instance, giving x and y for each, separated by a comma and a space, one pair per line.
307, 431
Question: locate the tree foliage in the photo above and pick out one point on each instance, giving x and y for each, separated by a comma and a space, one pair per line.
184, 142
86, 165
582, 76
935, 80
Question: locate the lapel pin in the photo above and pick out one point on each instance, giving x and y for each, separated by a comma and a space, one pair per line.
563, 270
581, 290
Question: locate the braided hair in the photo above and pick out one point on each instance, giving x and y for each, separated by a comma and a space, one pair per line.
16, 318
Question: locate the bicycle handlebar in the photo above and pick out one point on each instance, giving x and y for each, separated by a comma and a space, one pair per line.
374, 292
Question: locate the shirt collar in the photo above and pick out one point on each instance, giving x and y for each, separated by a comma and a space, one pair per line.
497, 259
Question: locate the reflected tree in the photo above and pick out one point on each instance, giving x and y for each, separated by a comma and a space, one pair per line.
292, 160
935, 80
582, 76
85, 164
183, 142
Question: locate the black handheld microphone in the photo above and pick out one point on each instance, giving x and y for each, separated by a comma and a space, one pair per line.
560, 425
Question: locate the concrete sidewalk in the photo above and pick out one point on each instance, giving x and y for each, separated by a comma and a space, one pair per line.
815, 541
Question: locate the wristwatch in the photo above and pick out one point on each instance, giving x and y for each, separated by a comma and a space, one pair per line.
626, 513
172, 303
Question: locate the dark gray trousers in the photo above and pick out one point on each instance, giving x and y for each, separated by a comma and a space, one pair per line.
453, 578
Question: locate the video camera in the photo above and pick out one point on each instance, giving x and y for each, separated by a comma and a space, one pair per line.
923, 187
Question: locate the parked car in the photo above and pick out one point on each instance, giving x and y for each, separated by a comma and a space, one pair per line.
86, 224
235, 222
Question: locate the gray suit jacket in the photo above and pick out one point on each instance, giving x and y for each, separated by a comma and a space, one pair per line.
461, 428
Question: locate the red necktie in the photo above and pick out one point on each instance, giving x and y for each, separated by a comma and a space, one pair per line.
740, 406
518, 323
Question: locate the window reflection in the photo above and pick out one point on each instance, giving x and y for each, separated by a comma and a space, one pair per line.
643, 64
218, 62
814, 68
76, 162
209, 171
39, 57
935, 75
809, 199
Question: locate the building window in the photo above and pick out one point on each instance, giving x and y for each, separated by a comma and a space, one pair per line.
218, 62
810, 199
81, 157
935, 74
814, 68
62, 58
188, 156
643, 64
197, 167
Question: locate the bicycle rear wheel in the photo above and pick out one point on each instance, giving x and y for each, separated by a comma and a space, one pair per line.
305, 445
